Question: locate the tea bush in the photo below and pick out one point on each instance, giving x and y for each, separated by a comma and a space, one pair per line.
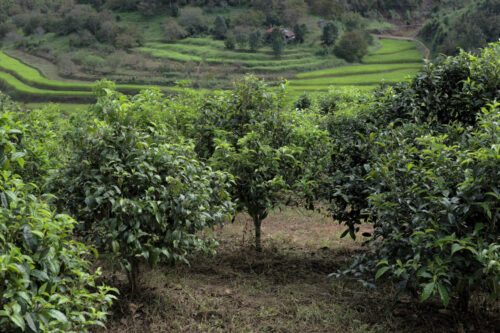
436, 206
46, 280
452, 89
276, 155
421, 165
138, 187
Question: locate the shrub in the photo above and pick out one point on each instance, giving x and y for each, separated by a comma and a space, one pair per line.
352, 46
427, 180
193, 20
46, 281
82, 39
141, 199
330, 34
304, 102
436, 207
346, 188
277, 42
452, 89
173, 31
255, 40
241, 37
219, 30
268, 149
230, 42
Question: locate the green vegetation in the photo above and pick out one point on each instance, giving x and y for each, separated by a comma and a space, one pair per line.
461, 24
216, 181
47, 283
393, 61
426, 131
410, 171
165, 194
397, 59
239, 134
30, 84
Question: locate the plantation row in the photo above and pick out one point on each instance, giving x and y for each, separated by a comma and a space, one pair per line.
300, 58
138, 178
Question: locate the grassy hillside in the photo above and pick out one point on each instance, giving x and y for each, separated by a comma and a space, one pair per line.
394, 61
391, 62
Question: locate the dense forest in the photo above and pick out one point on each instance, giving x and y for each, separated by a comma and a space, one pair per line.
467, 24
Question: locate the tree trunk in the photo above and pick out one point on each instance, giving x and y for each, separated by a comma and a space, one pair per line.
257, 223
133, 275
463, 299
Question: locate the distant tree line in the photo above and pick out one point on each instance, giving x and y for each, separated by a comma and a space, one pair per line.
83, 21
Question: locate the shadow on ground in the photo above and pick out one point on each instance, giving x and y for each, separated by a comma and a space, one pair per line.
283, 289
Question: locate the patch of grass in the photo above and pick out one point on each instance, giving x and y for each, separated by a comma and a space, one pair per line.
408, 56
356, 70
32, 76
26, 81
12, 82
391, 62
65, 108
358, 79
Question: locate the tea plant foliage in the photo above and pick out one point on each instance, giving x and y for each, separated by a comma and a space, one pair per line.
138, 187
421, 165
275, 154
46, 280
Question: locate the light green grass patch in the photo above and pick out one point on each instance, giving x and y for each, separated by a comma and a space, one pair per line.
364, 79
356, 70
408, 56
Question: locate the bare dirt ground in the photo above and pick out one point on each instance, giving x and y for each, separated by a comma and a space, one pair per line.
283, 289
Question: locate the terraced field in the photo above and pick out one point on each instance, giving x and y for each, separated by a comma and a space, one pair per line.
27, 83
296, 58
393, 61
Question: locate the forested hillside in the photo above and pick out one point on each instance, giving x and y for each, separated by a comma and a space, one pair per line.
460, 23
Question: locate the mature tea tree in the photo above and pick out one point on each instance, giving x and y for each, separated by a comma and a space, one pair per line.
428, 179
139, 188
46, 280
271, 151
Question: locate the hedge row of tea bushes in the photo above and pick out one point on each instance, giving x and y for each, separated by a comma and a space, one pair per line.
47, 280
420, 163
144, 175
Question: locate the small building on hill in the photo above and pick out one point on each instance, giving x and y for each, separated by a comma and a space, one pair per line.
288, 35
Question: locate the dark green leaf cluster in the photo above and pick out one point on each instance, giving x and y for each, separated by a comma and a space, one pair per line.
452, 89
46, 280
421, 164
436, 205
268, 148
138, 187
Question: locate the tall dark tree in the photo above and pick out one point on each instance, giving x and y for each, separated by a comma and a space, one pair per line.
300, 31
277, 42
220, 28
255, 40
353, 46
330, 34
